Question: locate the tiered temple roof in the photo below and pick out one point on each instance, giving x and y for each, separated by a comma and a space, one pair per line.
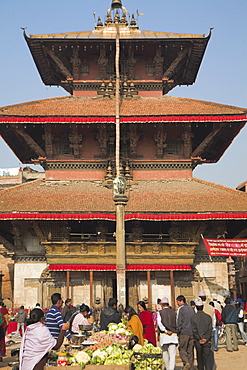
151, 200
76, 107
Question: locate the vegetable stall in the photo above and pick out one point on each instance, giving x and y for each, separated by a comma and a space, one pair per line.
108, 351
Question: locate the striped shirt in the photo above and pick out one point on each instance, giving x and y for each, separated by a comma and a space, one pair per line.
54, 322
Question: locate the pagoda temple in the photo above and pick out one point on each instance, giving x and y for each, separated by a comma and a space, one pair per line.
61, 231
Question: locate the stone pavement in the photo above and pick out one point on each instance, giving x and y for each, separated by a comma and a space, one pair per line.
224, 360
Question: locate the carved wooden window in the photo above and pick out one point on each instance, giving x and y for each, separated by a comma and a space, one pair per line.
53, 230
111, 147
150, 68
63, 145
172, 148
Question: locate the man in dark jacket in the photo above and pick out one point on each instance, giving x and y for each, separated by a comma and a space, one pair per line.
21, 319
109, 314
67, 307
185, 336
166, 320
202, 331
230, 319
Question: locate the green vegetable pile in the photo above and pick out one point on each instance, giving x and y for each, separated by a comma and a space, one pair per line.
119, 330
147, 357
111, 355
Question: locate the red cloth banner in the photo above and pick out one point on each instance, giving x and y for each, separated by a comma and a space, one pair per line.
125, 119
226, 247
127, 217
158, 267
113, 267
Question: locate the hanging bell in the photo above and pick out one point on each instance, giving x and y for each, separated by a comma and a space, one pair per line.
116, 4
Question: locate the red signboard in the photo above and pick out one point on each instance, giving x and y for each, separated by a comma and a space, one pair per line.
226, 247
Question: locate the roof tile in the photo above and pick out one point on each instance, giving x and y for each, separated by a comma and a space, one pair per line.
165, 196
84, 107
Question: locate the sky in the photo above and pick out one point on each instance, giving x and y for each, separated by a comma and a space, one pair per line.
222, 77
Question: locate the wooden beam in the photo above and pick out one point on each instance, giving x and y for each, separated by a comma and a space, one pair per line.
65, 72
149, 289
172, 289
198, 151
9, 246
172, 68
91, 288
39, 232
241, 234
29, 140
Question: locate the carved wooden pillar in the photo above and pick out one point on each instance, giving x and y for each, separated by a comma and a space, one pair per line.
187, 141
91, 288
103, 62
149, 289
137, 231
76, 64
48, 141
131, 62
160, 138
67, 283
75, 140
133, 137
158, 63
17, 236
102, 138
172, 289
101, 230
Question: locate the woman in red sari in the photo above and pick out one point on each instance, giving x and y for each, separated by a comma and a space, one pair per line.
4, 312
147, 322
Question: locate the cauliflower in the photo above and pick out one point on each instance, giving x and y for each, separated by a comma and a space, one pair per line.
82, 357
121, 325
112, 326
121, 331
101, 354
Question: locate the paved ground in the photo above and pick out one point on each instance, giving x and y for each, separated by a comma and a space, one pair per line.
224, 360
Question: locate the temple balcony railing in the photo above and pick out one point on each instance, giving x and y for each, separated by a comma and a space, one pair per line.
103, 252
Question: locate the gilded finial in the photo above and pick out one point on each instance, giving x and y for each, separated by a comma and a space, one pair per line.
133, 21
116, 18
124, 20
108, 19
99, 24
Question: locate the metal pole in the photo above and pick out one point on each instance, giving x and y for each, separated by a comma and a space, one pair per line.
117, 95
149, 289
120, 200
67, 283
172, 289
91, 288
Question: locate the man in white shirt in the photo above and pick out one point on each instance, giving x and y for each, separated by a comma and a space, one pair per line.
80, 318
166, 320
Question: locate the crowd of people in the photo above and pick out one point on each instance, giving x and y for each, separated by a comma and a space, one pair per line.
192, 328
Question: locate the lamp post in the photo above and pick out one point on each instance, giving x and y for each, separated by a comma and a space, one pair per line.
119, 198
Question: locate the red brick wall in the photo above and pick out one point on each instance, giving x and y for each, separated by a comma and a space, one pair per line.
150, 93
162, 175
86, 93
75, 175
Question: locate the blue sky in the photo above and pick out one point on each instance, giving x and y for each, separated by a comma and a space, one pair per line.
222, 77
